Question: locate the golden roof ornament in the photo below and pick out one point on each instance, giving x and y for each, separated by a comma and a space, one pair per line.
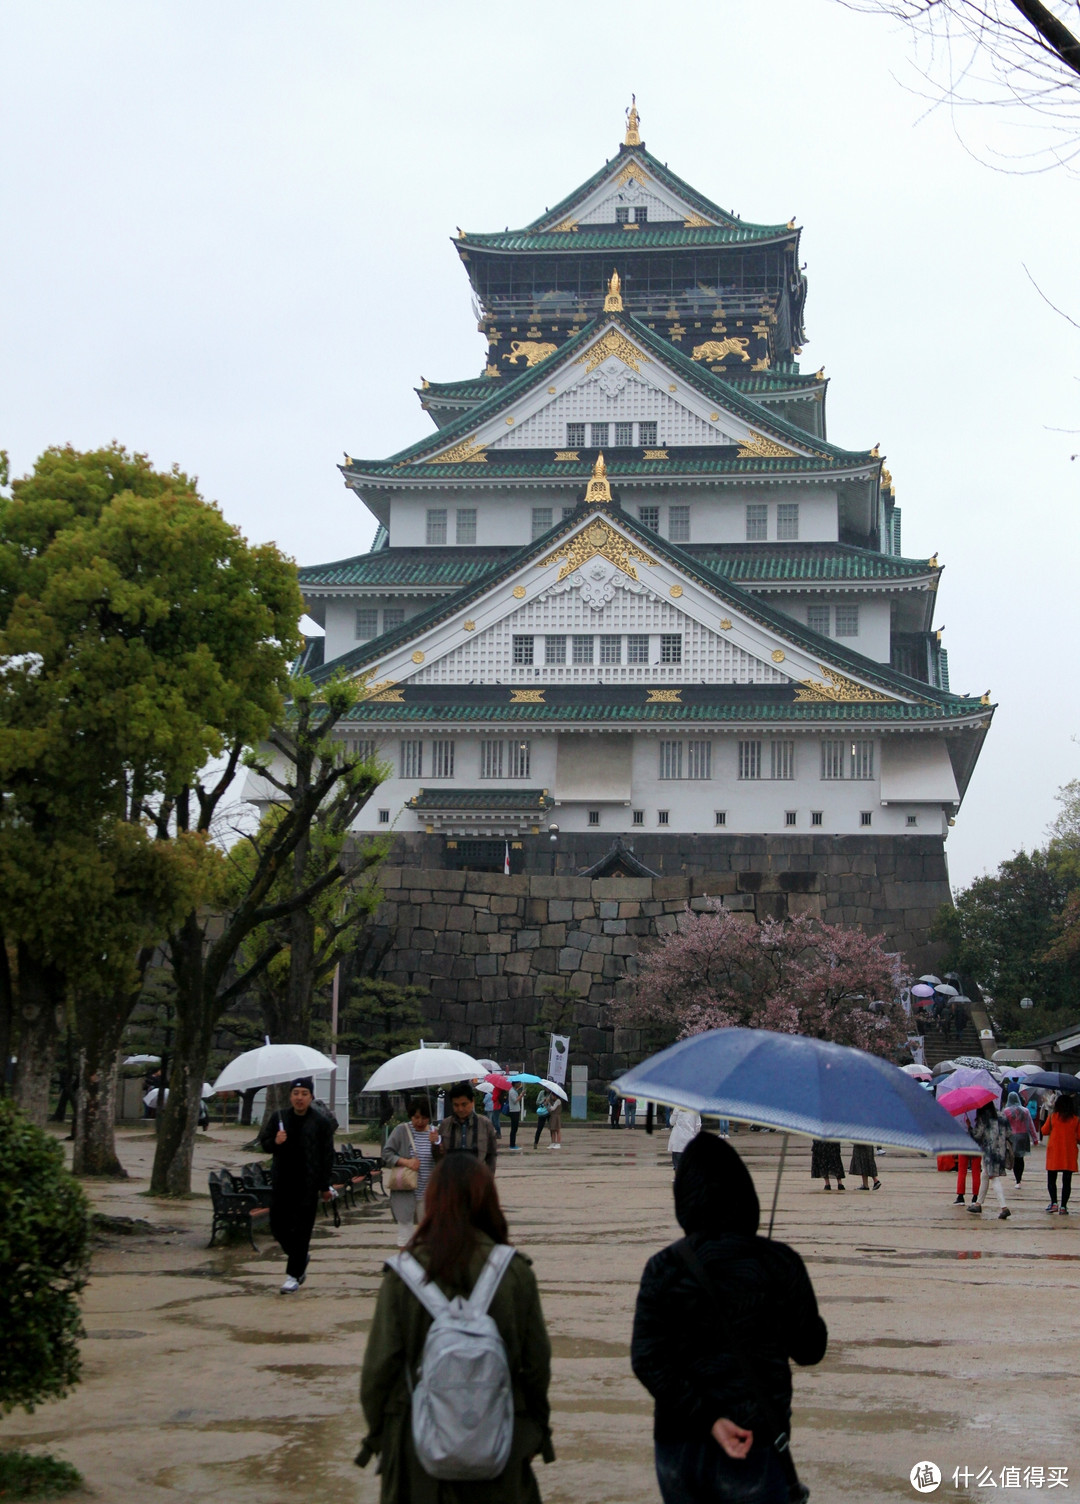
633, 120
613, 301
598, 490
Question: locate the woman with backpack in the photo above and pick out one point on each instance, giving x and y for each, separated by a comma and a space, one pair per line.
461, 1248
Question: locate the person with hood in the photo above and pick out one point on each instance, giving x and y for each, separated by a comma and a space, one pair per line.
685, 1126
301, 1139
719, 1315
1021, 1131
1062, 1134
991, 1132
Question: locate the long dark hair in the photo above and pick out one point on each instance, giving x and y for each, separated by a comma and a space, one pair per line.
460, 1201
1065, 1106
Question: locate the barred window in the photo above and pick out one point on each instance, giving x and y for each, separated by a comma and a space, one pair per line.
671, 760
663, 817
491, 759
750, 759
862, 759
554, 649
650, 518
641, 213
671, 647
519, 759
720, 816
637, 817
624, 435
866, 817
817, 817
647, 435
791, 817
575, 436
622, 214
583, 650
412, 759
442, 759
362, 749
847, 621
367, 624
783, 759
787, 521
384, 817
699, 759
637, 648
466, 525
757, 521
541, 520
912, 820
594, 817
679, 524
598, 435
832, 759
611, 648
436, 525
844, 759
392, 618
523, 649
817, 619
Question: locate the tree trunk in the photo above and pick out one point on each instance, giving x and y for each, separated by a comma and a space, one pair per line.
39, 1014
7, 1012
247, 1099
178, 1116
100, 1024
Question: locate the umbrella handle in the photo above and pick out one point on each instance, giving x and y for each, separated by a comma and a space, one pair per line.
776, 1189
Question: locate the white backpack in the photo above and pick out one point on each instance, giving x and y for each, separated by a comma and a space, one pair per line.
463, 1400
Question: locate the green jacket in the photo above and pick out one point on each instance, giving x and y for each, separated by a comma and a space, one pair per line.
396, 1342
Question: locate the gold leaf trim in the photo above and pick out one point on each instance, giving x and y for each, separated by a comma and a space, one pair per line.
696, 222
837, 689
567, 454
655, 454
664, 697
675, 592
725, 625
632, 170
418, 656
526, 697
758, 447
564, 227
612, 343
519, 592
778, 655
392, 695
470, 626
599, 538
468, 449
377, 690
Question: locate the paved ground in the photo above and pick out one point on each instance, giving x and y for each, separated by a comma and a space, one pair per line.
951, 1338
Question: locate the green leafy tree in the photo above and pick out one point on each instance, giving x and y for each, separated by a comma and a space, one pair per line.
379, 1020
44, 1258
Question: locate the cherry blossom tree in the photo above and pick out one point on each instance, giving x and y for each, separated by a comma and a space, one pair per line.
795, 976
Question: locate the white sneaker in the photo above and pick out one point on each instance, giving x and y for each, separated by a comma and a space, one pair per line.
290, 1285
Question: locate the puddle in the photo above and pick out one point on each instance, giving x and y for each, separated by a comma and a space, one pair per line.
114, 1334
585, 1347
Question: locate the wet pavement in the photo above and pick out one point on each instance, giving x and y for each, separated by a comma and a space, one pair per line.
952, 1338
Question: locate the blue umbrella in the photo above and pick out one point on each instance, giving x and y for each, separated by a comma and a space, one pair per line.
798, 1085
524, 1078
1057, 1080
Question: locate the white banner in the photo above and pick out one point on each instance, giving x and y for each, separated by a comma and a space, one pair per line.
557, 1058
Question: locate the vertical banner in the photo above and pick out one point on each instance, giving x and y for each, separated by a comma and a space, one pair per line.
557, 1058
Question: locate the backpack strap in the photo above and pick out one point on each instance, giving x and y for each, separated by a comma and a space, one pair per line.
483, 1292
412, 1274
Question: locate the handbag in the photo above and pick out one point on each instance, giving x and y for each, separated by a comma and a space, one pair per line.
401, 1178
798, 1493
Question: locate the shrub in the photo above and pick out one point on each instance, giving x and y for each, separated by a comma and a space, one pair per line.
44, 1253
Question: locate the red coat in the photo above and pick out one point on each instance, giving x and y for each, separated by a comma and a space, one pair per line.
1062, 1136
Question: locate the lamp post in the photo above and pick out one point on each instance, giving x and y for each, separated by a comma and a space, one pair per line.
553, 837
1027, 1002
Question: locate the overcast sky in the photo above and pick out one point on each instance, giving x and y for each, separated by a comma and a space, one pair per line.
225, 242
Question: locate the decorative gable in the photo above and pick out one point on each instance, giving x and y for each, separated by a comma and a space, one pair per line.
631, 188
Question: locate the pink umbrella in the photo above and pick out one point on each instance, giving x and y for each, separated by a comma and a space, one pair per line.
966, 1099
497, 1079
922, 990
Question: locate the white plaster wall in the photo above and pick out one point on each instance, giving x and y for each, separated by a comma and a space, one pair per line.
341, 618
875, 617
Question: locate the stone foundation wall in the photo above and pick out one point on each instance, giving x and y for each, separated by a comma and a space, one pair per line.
496, 954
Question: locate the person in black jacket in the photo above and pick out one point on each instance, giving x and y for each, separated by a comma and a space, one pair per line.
301, 1139
711, 1439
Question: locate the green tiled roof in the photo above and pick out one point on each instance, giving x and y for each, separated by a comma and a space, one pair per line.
777, 380
526, 464
447, 567
489, 799
466, 391
585, 713
656, 235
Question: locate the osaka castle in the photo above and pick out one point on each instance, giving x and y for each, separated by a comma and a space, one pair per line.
627, 591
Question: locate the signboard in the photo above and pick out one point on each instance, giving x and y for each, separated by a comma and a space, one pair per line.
557, 1058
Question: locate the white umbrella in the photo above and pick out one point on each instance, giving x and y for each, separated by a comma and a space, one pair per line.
550, 1086
921, 1072
151, 1098
946, 991
143, 1060
931, 979
425, 1068
269, 1064
490, 1065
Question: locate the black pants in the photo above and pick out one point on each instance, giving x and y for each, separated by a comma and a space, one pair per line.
540, 1123
1066, 1185
1018, 1167
292, 1216
699, 1472
515, 1124
614, 1110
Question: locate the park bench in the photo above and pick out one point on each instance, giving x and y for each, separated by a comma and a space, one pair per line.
232, 1208
257, 1181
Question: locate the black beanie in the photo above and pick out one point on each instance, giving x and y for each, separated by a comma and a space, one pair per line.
307, 1082
713, 1189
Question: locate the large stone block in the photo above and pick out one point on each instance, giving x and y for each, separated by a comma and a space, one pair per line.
494, 989
569, 958
448, 943
560, 909
669, 888
600, 945
487, 924
553, 934
559, 887
518, 963
536, 911
503, 903
527, 939
614, 926
622, 887
593, 962
486, 966
584, 908
433, 916
625, 945
499, 945
578, 938
666, 924
461, 917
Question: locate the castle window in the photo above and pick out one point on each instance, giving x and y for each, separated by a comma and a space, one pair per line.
637, 816
912, 819
671, 760
637, 648
519, 759
720, 816
787, 521
541, 520
671, 647
583, 650
679, 524
847, 759
392, 618
783, 759
817, 619
598, 435
554, 649
663, 816
791, 817
847, 621
750, 759
641, 214
866, 817
412, 759
567, 512
624, 435
757, 521
575, 436
436, 525
523, 649
466, 525
367, 624
442, 759
384, 817
611, 648
594, 817
647, 435
649, 517
699, 759
622, 214
363, 749
491, 759
817, 817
